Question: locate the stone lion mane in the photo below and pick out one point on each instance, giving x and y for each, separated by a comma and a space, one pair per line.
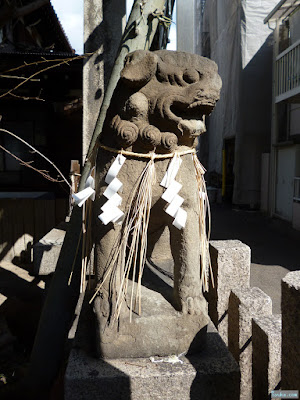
161, 101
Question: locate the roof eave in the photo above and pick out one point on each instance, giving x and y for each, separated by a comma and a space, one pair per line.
275, 14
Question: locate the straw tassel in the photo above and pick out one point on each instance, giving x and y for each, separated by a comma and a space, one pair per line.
134, 231
130, 255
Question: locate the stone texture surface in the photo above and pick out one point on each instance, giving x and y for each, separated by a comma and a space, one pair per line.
209, 375
266, 355
230, 260
245, 304
290, 307
47, 250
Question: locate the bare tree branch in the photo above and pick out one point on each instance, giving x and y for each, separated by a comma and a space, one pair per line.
18, 77
29, 8
30, 78
8, 12
26, 97
45, 60
45, 174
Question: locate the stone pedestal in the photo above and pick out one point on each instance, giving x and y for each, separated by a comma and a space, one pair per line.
209, 375
159, 330
266, 357
230, 261
290, 308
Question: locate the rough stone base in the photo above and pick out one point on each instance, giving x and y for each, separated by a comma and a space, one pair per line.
209, 375
159, 330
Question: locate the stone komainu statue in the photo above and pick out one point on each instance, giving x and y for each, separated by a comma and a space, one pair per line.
148, 179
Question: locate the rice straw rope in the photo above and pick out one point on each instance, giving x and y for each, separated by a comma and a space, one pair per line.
146, 155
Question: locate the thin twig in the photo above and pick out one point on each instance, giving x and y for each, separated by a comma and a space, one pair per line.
28, 164
64, 61
18, 77
26, 97
39, 153
44, 60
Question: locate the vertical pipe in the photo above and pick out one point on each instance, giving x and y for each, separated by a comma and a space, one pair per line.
274, 129
223, 172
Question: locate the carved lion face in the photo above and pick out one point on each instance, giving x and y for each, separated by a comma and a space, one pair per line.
181, 88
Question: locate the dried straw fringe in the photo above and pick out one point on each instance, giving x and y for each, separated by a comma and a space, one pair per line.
204, 209
136, 226
86, 236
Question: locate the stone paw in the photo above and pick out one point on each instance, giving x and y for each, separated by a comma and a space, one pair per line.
192, 306
101, 306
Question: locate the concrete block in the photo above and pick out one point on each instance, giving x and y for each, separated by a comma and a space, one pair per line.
209, 375
290, 307
266, 355
46, 251
231, 268
245, 304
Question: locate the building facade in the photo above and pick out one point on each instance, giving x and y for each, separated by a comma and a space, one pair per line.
283, 161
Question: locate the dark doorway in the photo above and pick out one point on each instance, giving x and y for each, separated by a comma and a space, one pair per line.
228, 168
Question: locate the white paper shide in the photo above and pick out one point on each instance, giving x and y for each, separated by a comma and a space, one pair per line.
110, 210
88, 192
171, 195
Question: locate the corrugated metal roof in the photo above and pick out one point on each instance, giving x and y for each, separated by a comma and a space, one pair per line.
283, 9
42, 53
